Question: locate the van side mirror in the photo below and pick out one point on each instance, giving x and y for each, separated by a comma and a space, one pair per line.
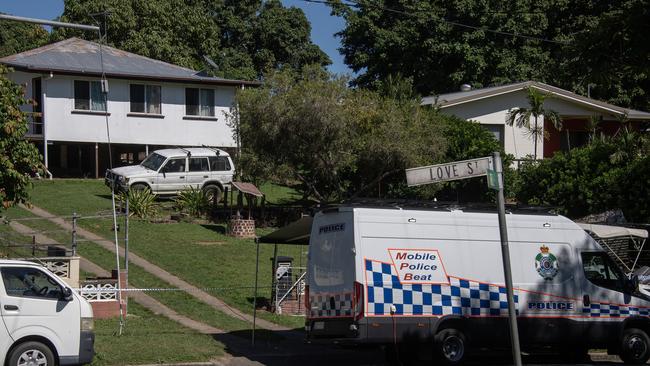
66, 294
632, 283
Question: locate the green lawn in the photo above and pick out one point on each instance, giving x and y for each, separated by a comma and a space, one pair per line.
173, 343
199, 253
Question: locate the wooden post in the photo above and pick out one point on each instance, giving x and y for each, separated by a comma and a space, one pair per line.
96, 161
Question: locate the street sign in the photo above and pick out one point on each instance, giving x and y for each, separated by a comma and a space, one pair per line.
448, 171
493, 180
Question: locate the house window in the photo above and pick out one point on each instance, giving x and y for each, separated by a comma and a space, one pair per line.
199, 102
573, 139
88, 96
145, 98
497, 131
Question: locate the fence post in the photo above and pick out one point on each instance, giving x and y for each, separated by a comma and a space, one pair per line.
74, 234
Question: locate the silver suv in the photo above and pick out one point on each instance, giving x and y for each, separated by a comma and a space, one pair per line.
169, 171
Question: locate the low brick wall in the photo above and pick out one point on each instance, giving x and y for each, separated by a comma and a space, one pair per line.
241, 228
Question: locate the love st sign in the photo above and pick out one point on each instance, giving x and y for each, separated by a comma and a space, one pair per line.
448, 171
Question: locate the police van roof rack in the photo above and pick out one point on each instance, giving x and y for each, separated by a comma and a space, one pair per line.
444, 206
214, 149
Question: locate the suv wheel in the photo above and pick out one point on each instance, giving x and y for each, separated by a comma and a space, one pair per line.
139, 187
213, 193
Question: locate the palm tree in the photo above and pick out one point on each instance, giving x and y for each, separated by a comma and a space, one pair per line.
522, 116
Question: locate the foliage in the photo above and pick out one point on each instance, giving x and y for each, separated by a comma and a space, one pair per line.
336, 142
16, 37
193, 201
522, 116
591, 179
443, 44
18, 157
243, 38
611, 52
142, 203
469, 140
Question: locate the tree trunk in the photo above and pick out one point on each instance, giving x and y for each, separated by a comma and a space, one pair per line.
535, 137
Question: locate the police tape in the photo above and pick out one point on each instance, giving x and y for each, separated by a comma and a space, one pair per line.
112, 289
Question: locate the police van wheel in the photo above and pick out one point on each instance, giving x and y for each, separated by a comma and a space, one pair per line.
635, 346
31, 353
450, 346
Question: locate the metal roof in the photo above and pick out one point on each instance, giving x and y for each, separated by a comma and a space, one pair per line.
456, 98
81, 57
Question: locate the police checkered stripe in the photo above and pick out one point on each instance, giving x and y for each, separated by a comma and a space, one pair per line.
598, 310
322, 305
460, 297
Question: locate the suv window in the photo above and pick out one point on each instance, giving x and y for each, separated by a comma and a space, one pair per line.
219, 163
199, 165
30, 282
175, 165
602, 271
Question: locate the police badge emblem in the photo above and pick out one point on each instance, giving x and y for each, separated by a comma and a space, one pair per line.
546, 263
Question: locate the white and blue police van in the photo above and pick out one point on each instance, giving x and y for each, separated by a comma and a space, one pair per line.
435, 277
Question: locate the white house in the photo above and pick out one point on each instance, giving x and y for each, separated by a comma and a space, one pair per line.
150, 104
490, 106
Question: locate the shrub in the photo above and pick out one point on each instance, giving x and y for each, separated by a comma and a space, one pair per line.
142, 203
590, 180
193, 201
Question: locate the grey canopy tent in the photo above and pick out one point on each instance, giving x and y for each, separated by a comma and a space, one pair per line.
624, 244
296, 233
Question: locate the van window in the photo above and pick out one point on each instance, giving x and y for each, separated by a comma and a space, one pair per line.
602, 271
199, 165
29, 282
219, 163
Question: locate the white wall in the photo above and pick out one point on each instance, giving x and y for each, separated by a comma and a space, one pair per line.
516, 141
64, 125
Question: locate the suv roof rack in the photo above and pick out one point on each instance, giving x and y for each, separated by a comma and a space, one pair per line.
212, 148
189, 153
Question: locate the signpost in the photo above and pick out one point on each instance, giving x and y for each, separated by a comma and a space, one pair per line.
493, 169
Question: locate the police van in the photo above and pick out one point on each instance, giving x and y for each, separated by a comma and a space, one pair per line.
417, 276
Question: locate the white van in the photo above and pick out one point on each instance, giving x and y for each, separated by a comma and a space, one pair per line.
401, 276
44, 322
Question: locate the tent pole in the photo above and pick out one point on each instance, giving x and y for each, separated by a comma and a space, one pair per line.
257, 268
638, 255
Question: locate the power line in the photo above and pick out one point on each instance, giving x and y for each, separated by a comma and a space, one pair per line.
355, 4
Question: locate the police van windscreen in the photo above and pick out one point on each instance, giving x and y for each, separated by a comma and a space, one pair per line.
331, 255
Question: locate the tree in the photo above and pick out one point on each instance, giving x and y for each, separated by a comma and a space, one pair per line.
310, 130
16, 37
244, 38
522, 116
611, 52
18, 157
426, 41
443, 44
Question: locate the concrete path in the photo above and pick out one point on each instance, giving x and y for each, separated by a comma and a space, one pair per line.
158, 272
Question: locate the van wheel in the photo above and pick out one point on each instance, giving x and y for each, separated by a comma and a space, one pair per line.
450, 346
31, 354
635, 346
213, 193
